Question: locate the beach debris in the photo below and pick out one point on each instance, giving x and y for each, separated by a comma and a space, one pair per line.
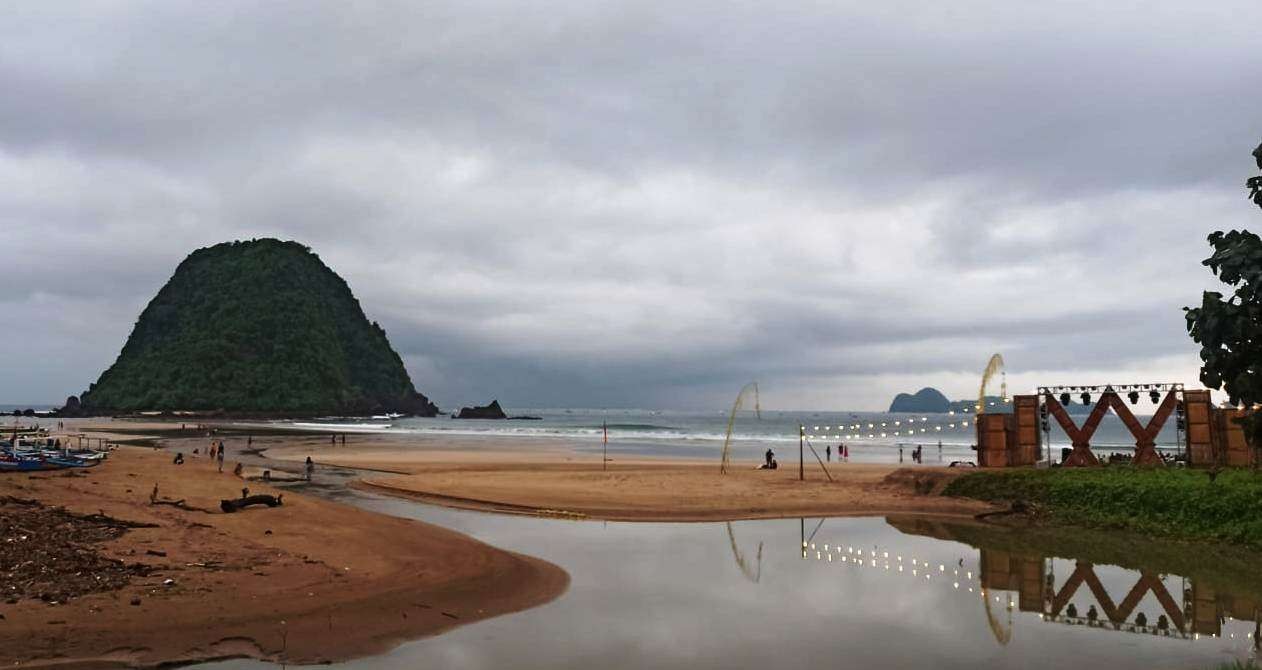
155, 552
51, 554
168, 582
135, 602
178, 504
560, 514
231, 506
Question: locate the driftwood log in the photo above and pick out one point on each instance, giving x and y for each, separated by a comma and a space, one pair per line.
230, 506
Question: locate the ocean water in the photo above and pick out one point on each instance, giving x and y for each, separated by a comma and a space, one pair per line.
672, 433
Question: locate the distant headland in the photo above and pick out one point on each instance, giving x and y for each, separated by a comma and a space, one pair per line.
930, 400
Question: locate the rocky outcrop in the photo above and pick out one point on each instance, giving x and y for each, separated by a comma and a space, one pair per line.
926, 400
491, 411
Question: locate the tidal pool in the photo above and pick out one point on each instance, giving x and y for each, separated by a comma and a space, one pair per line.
845, 592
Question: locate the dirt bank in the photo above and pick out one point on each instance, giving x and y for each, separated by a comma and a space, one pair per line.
308, 582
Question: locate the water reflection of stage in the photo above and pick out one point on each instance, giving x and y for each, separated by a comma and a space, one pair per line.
1022, 571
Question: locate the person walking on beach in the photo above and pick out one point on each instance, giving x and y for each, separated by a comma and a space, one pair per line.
828, 453
769, 456
310, 468
900, 453
219, 455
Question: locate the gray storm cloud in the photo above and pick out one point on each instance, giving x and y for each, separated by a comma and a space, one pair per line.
640, 204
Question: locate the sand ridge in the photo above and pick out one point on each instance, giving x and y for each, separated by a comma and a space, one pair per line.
562, 482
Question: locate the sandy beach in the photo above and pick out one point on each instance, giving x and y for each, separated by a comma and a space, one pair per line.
316, 581
308, 582
551, 479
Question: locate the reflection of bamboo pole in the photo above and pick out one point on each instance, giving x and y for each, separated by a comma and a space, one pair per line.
1003, 637
752, 576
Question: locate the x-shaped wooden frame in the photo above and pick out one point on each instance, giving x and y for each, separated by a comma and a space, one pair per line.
1145, 436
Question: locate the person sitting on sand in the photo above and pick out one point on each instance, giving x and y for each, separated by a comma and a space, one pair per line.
179, 458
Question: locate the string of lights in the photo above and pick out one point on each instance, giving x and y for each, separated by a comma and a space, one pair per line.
911, 567
874, 429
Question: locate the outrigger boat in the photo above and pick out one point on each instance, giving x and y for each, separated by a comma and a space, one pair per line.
23, 464
28, 457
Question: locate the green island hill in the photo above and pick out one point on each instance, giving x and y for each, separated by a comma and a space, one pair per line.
255, 328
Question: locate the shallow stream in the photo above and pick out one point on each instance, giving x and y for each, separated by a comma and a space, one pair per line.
844, 592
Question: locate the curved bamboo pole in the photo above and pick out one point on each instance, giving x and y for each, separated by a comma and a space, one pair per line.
994, 365
731, 420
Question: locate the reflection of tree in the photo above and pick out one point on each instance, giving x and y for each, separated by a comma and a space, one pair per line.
754, 574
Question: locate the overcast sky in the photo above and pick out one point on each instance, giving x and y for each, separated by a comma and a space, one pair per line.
641, 204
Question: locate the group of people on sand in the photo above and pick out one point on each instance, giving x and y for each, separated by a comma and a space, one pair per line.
917, 454
216, 452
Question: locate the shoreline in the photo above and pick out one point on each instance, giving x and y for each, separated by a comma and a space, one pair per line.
552, 477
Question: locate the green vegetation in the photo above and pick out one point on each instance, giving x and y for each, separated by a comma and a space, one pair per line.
1230, 331
1168, 502
258, 327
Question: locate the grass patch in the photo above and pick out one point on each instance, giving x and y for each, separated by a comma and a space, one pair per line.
1169, 502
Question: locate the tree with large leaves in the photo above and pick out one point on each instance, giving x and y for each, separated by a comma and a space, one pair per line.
1229, 329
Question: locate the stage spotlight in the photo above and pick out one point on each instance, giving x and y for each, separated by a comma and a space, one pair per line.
1155, 395
1064, 398
1134, 396
1086, 398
